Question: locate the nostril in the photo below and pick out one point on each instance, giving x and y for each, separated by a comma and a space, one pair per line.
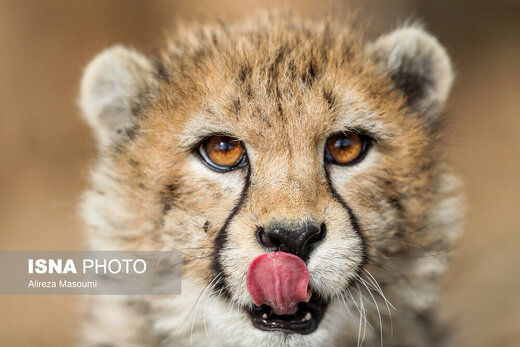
319, 236
299, 241
267, 240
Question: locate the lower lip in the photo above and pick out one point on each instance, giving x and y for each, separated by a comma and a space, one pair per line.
305, 321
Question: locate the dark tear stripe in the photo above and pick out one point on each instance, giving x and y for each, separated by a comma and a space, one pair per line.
353, 221
221, 239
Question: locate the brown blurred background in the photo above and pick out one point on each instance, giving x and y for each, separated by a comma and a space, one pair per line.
45, 147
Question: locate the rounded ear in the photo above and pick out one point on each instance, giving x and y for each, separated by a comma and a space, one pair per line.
114, 85
418, 66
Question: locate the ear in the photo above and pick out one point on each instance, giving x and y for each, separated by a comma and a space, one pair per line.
418, 66
114, 85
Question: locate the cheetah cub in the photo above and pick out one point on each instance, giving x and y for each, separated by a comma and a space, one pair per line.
298, 167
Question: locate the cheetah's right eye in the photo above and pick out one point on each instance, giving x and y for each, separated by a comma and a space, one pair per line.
345, 148
223, 153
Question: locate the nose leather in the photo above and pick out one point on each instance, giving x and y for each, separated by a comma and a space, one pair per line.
298, 241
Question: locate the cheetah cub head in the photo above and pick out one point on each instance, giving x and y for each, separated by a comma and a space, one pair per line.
298, 169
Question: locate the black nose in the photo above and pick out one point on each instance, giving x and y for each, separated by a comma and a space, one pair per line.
299, 241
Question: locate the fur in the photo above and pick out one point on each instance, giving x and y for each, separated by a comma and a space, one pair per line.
281, 84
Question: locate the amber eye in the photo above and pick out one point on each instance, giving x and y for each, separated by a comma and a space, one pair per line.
345, 148
222, 153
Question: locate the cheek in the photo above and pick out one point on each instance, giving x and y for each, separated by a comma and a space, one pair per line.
208, 193
199, 206
334, 262
240, 250
341, 176
369, 189
231, 182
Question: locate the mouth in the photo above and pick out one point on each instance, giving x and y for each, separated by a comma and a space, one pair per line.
304, 321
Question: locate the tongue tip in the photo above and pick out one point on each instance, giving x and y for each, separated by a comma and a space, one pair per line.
280, 280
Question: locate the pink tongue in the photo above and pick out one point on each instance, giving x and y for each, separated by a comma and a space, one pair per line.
279, 280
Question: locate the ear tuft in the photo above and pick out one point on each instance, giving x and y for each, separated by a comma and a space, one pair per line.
418, 65
113, 84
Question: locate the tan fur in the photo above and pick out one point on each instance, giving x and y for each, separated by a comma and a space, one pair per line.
282, 85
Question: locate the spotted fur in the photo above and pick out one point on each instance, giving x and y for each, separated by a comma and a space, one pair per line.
282, 85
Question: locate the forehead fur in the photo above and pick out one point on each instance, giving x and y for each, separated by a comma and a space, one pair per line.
275, 69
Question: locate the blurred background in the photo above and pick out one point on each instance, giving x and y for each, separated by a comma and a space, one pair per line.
45, 147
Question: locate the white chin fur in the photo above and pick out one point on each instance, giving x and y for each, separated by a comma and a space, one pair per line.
216, 322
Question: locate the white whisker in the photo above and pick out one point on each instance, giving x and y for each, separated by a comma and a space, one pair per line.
377, 309
197, 302
204, 309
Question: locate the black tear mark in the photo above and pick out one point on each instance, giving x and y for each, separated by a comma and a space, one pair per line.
353, 222
206, 227
221, 239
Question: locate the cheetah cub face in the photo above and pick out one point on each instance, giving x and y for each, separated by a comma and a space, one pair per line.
299, 170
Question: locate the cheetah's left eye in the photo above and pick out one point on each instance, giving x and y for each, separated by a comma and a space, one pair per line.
345, 148
222, 153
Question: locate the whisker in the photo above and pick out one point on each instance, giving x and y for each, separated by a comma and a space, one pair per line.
196, 305
435, 255
401, 232
381, 265
198, 297
344, 298
171, 247
204, 310
363, 314
379, 289
377, 309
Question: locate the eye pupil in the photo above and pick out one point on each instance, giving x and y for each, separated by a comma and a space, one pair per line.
344, 148
342, 143
222, 152
224, 146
